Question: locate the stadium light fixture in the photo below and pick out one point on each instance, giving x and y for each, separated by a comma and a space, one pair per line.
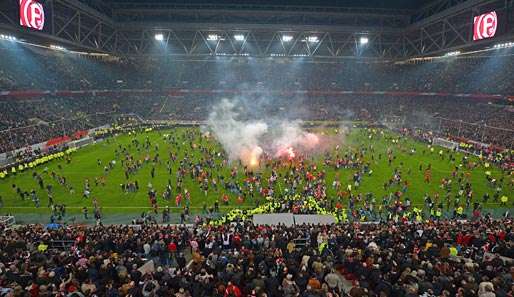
212, 37
504, 45
452, 54
287, 38
8, 37
239, 37
313, 39
159, 37
364, 40
57, 47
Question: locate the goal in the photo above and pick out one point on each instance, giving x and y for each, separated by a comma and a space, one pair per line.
445, 143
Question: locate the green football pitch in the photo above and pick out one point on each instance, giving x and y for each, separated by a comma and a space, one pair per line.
89, 162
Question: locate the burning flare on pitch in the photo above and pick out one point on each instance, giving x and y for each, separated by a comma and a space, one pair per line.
251, 156
248, 138
286, 152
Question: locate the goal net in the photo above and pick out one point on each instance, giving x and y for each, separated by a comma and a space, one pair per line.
445, 143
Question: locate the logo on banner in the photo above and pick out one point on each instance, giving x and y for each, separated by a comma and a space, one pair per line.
485, 25
32, 14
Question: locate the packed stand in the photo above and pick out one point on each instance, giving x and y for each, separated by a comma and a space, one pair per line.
51, 70
442, 258
25, 121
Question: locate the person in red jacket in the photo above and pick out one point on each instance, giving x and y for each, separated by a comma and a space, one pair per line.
232, 291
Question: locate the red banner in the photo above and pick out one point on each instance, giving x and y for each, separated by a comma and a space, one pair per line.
80, 134
57, 141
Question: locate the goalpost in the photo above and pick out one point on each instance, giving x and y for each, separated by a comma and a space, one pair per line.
452, 145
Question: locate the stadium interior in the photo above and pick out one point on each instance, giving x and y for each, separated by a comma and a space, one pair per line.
256, 148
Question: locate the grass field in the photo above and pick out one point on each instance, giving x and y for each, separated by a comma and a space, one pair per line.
113, 200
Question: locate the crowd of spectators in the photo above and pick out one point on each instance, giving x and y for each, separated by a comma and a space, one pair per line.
29, 120
26, 122
440, 258
51, 70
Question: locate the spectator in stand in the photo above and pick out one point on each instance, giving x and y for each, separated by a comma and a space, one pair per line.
389, 259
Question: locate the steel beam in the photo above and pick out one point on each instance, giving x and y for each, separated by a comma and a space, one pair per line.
445, 25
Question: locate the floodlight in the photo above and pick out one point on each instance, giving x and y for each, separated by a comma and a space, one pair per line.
8, 37
452, 54
287, 38
239, 37
159, 37
364, 40
212, 37
504, 45
57, 47
313, 39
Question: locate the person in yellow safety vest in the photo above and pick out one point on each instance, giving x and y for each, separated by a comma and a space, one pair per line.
460, 211
13, 170
343, 214
428, 245
504, 199
322, 247
453, 251
42, 247
438, 213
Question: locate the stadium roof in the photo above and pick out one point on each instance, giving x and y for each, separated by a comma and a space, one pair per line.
383, 4
395, 29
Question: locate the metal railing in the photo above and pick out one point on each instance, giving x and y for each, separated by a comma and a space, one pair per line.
7, 220
61, 244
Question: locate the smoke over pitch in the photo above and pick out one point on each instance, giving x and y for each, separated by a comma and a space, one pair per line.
246, 134
239, 138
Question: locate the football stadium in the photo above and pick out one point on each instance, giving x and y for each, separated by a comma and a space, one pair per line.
256, 148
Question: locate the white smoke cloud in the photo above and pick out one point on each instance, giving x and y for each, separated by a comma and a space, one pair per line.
247, 139
292, 135
239, 138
